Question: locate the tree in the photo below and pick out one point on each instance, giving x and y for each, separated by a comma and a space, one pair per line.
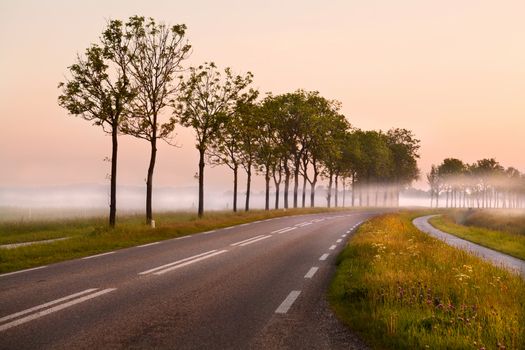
155, 59
267, 152
225, 149
249, 116
315, 138
351, 159
376, 162
333, 149
206, 101
434, 183
449, 172
99, 90
404, 149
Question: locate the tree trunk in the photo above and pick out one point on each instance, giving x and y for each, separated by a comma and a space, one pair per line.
277, 181
353, 190
113, 185
296, 184
304, 192
149, 181
344, 192
312, 187
201, 183
235, 179
336, 191
329, 194
277, 188
248, 185
267, 189
286, 184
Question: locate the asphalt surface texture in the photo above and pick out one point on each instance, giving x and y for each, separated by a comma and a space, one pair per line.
253, 286
495, 257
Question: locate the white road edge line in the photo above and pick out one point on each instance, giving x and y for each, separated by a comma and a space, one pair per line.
158, 273
205, 233
324, 256
147, 245
246, 240
287, 303
26, 270
43, 306
343, 235
176, 262
339, 240
311, 272
332, 247
254, 240
54, 309
96, 256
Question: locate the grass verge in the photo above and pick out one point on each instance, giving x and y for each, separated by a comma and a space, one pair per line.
506, 242
92, 236
402, 289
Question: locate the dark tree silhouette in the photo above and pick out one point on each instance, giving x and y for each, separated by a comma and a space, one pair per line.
99, 90
155, 59
206, 101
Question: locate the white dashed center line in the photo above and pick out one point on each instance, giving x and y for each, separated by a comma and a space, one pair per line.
311, 272
324, 256
332, 247
39, 314
254, 240
182, 262
246, 240
287, 303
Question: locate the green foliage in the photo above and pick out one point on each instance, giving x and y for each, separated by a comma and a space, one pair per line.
402, 289
207, 99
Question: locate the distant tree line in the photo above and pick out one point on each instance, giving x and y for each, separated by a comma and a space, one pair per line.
482, 184
132, 82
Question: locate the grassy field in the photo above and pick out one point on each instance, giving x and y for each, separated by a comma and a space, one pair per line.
91, 236
507, 242
401, 289
511, 221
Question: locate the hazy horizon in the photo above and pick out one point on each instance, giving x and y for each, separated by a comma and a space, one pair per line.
452, 72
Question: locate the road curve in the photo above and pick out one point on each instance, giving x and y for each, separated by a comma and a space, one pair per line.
253, 286
497, 258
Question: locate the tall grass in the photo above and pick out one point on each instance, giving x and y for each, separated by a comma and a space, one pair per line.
511, 221
402, 289
504, 241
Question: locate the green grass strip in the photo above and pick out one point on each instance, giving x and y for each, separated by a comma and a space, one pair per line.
505, 242
92, 236
402, 289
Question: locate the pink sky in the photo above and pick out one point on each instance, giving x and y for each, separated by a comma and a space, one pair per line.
451, 71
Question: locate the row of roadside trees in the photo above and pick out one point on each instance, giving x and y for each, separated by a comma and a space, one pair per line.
482, 184
133, 82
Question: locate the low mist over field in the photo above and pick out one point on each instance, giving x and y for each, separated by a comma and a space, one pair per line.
92, 200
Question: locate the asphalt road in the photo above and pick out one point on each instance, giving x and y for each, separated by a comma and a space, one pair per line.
254, 286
